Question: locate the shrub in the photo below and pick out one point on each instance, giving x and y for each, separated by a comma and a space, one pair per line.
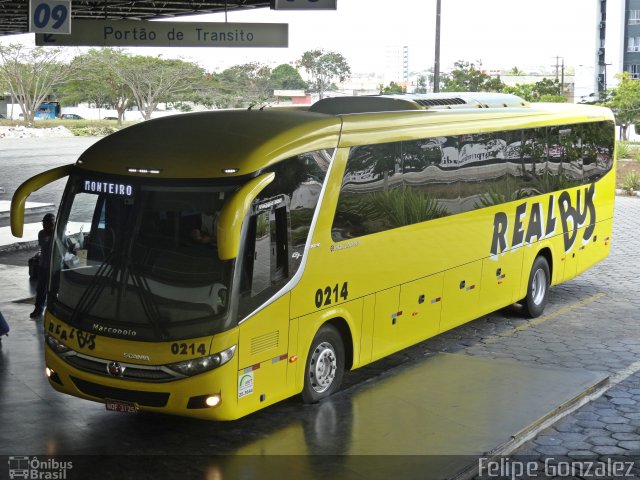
622, 150
92, 130
631, 182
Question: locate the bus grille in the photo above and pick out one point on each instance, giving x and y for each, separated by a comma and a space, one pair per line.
265, 342
149, 399
141, 373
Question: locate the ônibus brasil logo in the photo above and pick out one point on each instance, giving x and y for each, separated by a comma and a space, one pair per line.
34, 468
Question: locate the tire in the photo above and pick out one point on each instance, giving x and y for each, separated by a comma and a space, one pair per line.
537, 288
324, 366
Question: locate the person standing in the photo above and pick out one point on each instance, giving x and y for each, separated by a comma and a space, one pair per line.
45, 241
4, 327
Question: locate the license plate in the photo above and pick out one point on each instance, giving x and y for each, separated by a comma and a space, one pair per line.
120, 406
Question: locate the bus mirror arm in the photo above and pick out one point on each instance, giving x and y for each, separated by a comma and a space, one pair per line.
233, 213
27, 188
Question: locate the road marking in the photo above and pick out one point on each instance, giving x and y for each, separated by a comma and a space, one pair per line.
544, 318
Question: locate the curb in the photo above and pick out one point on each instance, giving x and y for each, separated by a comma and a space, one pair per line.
625, 193
589, 394
16, 247
32, 211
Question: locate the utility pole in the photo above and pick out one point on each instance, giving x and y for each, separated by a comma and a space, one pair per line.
436, 66
557, 66
562, 79
560, 71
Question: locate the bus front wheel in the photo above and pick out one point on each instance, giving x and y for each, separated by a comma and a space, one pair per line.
537, 288
325, 365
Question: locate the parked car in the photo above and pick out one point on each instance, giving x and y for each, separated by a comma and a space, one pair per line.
71, 116
2, 115
110, 118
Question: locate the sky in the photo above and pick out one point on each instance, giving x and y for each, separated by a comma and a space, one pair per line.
500, 33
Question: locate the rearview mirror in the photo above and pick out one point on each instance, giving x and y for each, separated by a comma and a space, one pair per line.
27, 188
233, 213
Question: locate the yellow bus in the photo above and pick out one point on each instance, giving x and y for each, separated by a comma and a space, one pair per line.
211, 264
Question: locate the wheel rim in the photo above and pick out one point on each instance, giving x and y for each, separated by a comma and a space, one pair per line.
322, 368
538, 286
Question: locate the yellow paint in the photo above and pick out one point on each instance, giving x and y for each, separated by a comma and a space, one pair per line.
405, 284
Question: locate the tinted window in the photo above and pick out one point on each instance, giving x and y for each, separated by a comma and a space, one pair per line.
482, 171
564, 158
279, 225
597, 150
395, 184
433, 184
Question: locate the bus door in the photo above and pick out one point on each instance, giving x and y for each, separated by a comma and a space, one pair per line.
264, 333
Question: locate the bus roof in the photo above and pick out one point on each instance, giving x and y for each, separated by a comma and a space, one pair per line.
228, 143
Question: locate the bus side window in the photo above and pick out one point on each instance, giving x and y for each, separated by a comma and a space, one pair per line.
564, 157
278, 229
261, 270
265, 262
279, 245
597, 150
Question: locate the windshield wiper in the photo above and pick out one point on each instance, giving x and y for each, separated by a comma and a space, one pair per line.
90, 296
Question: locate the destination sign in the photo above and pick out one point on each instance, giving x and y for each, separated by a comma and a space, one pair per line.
130, 33
110, 188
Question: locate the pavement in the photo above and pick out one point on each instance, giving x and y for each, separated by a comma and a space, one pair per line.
591, 329
29, 238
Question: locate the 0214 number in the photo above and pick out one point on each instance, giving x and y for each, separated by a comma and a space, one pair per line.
329, 295
188, 348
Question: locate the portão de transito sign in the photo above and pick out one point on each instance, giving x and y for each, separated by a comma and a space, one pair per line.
128, 33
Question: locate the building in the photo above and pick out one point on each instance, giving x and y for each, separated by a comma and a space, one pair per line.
631, 55
609, 49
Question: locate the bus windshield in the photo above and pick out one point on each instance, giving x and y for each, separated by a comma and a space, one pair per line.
139, 260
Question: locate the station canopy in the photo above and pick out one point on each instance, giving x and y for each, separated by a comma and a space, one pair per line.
14, 14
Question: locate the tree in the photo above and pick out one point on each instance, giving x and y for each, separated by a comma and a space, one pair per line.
241, 86
516, 72
546, 90
154, 80
97, 82
286, 77
465, 77
421, 84
392, 88
323, 67
624, 100
31, 74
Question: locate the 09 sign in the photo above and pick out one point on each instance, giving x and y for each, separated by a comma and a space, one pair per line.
50, 16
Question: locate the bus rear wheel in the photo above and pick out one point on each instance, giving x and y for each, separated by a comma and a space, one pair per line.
537, 288
325, 365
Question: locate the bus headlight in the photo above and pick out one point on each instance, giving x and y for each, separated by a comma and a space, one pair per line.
203, 364
55, 345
